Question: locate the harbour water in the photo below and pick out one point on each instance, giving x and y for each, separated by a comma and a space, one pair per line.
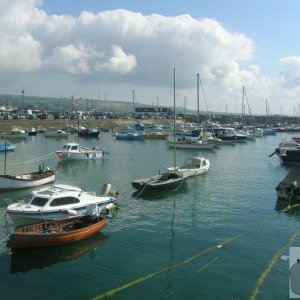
219, 237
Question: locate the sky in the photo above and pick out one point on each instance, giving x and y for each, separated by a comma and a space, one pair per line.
105, 49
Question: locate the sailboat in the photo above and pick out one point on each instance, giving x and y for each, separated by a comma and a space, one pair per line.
130, 135
171, 179
57, 133
201, 142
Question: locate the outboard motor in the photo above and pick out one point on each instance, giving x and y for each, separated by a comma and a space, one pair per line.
107, 190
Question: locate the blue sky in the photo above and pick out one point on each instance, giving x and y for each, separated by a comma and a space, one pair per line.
89, 49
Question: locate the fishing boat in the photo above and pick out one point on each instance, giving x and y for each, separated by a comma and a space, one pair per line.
74, 151
165, 181
26, 180
89, 132
192, 144
193, 166
6, 146
171, 179
229, 135
129, 136
15, 133
58, 202
56, 233
32, 131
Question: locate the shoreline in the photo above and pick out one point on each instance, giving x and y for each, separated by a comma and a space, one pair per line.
105, 125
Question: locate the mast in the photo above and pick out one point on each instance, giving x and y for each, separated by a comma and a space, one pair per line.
174, 137
243, 105
266, 111
198, 109
4, 158
133, 109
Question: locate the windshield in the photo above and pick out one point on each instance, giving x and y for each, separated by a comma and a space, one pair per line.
39, 201
27, 198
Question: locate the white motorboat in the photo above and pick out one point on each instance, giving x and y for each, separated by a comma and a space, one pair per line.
57, 133
193, 166
59, 202
74, 151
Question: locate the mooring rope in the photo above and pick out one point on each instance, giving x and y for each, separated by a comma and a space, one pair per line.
3, 240
34, 160
271, 264
140, 193
112, 292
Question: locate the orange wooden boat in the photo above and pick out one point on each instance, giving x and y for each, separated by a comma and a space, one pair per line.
56, 233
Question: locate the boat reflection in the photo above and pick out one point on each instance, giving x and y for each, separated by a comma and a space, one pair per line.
26, 260
287, 206
153, 195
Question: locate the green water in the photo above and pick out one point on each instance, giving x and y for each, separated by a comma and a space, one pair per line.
213, 239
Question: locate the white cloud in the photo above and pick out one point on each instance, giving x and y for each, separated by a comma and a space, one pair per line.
118, 62
125, 48
290, 75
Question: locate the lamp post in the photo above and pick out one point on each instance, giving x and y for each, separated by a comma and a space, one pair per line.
133, 104
72, 103
23, 93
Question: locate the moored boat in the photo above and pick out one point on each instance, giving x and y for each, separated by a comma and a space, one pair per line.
168, 180
289, 152
156, 135
7, 146
59, 133
74, 151
56, 233
89, 132
129, 136
15, 133
26, 180
191, 144
193, 166
58, 202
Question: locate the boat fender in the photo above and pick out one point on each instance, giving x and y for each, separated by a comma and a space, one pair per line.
103, 151
107, 209
71, 212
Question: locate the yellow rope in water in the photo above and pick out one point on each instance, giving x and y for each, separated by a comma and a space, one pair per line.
271, 264
187, 261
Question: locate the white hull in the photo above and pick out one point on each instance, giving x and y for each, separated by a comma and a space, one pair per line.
88, 155
57, 202
193, 166
21, 218
183, 145
73, 151
57, 135
20, 181
14, 136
